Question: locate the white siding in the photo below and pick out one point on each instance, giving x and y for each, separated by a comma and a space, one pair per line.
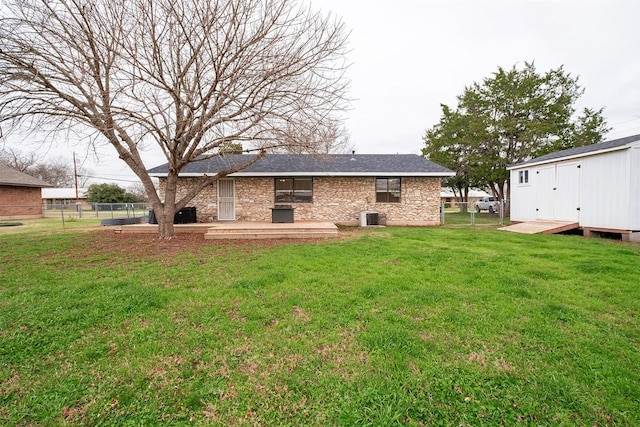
607, 189
523, 199
552, 193
634, 196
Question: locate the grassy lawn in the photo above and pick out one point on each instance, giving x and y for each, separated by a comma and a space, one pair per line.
395, 326
45, 225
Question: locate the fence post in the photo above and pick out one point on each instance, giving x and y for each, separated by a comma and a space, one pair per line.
442, 221
62, 214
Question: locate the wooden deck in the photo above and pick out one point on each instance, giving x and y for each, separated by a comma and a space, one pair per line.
544, 227
244, 230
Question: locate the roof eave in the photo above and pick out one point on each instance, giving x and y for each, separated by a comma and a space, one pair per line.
14, 184
319, 174
565, 158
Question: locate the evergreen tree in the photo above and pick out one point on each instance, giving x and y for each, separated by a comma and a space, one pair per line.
511, 117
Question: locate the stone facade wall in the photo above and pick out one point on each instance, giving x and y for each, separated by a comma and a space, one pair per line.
20, 202
336, 199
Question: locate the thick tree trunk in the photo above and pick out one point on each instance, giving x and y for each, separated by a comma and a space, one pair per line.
465, 199
166, 229
502, 190
165, 216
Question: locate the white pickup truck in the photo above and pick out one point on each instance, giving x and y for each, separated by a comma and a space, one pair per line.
490, 204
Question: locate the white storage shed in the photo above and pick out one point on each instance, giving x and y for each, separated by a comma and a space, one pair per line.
596, 186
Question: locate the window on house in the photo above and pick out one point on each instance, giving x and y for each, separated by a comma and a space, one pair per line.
523, 177
388, 190
294, 190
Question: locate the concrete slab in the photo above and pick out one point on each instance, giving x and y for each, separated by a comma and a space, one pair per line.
544, 227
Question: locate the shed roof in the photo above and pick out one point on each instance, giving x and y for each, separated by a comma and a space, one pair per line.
314, 165
587, 150
14, 178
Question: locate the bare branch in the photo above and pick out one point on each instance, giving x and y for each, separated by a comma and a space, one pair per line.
187, 78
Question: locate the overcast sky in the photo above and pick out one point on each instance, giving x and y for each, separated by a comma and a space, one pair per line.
410, 56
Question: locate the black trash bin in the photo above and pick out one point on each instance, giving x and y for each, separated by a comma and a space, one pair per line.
183, 216
282, 213
152, 217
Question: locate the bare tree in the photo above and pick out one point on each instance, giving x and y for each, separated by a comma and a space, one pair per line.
138, 190
22, 162
184, 77
56, 172
325, 138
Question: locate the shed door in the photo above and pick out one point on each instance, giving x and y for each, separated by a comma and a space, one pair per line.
558, 195
567, 199
226, 200
545, 181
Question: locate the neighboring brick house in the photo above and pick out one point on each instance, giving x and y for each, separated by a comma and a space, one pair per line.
20, 194
402, 189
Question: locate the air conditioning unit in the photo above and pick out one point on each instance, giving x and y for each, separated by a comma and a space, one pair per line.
368, 218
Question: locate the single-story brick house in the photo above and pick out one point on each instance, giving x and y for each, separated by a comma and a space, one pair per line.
20, 194
404, 189
63, 196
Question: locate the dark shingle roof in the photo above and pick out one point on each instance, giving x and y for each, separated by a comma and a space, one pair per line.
316, 165
581, 151
14, 178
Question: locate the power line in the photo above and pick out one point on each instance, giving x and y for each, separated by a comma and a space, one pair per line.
109, 179
625, 121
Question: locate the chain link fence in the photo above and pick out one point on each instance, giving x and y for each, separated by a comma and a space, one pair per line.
477, 213
451, 213
76, 210
96, 210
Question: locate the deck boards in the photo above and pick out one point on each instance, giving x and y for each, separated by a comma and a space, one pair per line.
544, 227
244, 230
